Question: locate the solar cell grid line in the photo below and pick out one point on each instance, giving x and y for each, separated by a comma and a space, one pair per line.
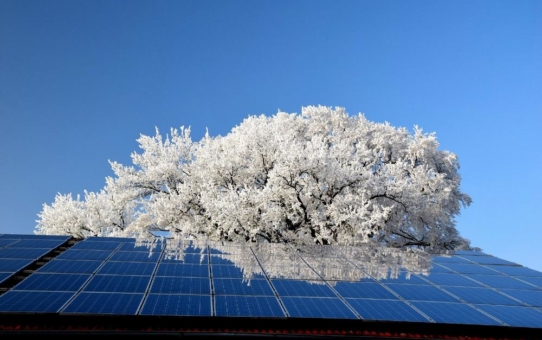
33, 236
151, 281
180, 285
127, 268
367, 290
451, 279
96, 245
502, 281
456, 313
32, 302
488, 260
70, 266
515, 270
536, 281
118, 283
302, 288
36, 243
177, 304
318, 307
248, 306
515, 316
530, 297
474, 295
182, 269
202, 259
75, 254
14, 265
4, 276
449, 259
470, 268
135, 256
23, 253
7, 242
240, 286
387, 310
103, 303
421, 292
53, 282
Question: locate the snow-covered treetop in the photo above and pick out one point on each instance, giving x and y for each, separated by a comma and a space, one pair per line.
319, 177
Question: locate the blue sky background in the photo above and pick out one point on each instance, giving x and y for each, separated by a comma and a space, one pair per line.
80, 80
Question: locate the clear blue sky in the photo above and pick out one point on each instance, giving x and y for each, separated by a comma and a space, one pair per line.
80, 80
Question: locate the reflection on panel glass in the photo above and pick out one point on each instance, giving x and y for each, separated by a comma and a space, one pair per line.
53, 282
317, 307
104, 303
392, 310
515, 315
27, 301
170, 304
459, 313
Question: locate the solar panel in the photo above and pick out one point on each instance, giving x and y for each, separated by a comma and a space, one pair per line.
28, 301
295, 271
481, 295
241, 287
188, 258
75, 254
182, 269
501, 281
317, 307
363, 290
169, 304
249, 306
421, 293
449, 259
37, 243
449, 279
135, 256
226, 271
118, 284
4, 276
516, 270
534, 280
404, 277
515, 315
181, 285
96, 245
127, 268
14, 265
31, 236
7, 242
302, 288
104, 303
454, 313
388, 310
53, 282
22, 253
470, 269
533, 298
488, 260
70, 266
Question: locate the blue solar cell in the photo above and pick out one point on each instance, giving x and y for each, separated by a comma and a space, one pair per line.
302, 288
144, 247
127, 268
450, 279
448, 259
118, 284
104, 303
514, 315
436, 268
455, 313
96, 245
188, 258
4, 276
183, 269
470, 269
403, 277
249, 306
516, 270
388, 310
226, 271
488, 260
303, 307
70, 266
241, 287
169, 304
501, 281
135, 256
530, 297
53, 282
421, 293
481, 295
363, 290
23, 253
32, 236
37, 243
7, 242
534, 280
181, 285
13, 265
109, 239
24, 301
74, 254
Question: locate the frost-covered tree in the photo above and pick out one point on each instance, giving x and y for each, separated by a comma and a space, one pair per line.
319, 177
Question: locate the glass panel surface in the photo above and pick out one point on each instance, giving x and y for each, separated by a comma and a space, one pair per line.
241, 287
74, 254
118, 284
70, 266
460, 313
23, 253
104, 303
530, 297
501, 281
329, 308
135, 256
53, 282
514, 315
181, 285
127, 268
449, 279
25, 301
363, 290
183, 269
168, 304
302, 288
387, 310
14, 265
249, 306
421, 293
481, 295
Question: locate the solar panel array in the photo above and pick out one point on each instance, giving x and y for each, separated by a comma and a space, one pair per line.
116, 276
